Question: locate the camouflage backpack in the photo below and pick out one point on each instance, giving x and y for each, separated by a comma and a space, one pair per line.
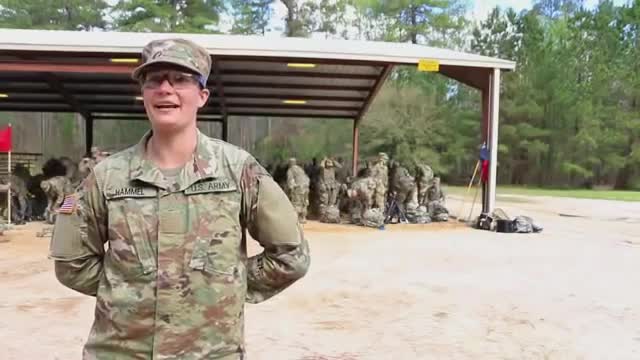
438, 212
373, 218
330, 215
419, 216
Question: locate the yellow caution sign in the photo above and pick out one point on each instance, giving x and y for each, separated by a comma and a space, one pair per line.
428, 65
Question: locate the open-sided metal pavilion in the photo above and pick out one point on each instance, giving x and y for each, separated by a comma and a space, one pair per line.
89, 73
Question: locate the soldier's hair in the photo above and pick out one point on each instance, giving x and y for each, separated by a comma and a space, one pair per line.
53, 167
68, 162
364, 172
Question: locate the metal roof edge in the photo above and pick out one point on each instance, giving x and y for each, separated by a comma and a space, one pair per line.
241, 45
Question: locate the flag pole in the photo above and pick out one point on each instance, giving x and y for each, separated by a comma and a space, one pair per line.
9, 190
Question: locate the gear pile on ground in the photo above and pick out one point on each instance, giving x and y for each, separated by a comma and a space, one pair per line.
373, 218
330, 215
499, 221
419, 215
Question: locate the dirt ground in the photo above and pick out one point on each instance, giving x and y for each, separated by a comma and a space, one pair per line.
437, 291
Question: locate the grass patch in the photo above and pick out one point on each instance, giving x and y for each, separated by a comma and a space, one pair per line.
571, 193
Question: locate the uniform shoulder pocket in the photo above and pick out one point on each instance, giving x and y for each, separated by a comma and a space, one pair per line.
66, 240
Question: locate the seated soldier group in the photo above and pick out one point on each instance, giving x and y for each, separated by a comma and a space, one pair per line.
38, 197
382, 192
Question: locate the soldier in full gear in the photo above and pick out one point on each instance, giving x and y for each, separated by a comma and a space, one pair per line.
328, 187
19, 198
342, 172
361, 196
424, 177
20, 180
436, 201
312, 169
298, 189
403, 186
380, 173
55, 189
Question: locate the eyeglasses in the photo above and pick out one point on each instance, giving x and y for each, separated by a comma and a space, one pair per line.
177, 79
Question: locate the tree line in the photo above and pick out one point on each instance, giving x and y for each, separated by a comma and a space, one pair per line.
570, 113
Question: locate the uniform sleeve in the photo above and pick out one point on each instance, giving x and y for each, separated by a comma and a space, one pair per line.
291, 181
272, 221
79, 235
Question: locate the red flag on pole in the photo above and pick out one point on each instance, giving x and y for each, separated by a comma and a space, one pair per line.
5, 139
484, 158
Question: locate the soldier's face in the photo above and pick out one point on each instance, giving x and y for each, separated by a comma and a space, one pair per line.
172, 98
45, 186
85, 165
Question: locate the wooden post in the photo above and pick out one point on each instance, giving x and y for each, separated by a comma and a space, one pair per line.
491, 112
88, 134
9, 189
354, 158
225, 129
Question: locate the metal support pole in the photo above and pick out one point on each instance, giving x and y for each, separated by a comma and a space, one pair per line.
10, 180
88, 134
486, 121
225, 129
354, 158
494, 110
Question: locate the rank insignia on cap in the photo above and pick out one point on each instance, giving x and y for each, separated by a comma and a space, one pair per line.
68, 205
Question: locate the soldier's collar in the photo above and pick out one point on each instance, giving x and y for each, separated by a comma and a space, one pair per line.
204, 163
206, 158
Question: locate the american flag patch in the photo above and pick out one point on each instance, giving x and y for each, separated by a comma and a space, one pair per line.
68, 205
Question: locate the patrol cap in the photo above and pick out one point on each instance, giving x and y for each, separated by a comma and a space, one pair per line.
180, 52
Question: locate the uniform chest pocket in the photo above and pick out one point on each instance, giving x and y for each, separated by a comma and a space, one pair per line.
217, 246
215, 256
132, 226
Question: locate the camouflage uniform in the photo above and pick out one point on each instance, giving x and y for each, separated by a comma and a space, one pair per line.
361, 194
342, 172
25, 178
404, 187
19, 198
21, 195
175, 275
312, 170
55, 189
298, 189
380, 173
436, 201
434, 193
425, 175
328, 187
